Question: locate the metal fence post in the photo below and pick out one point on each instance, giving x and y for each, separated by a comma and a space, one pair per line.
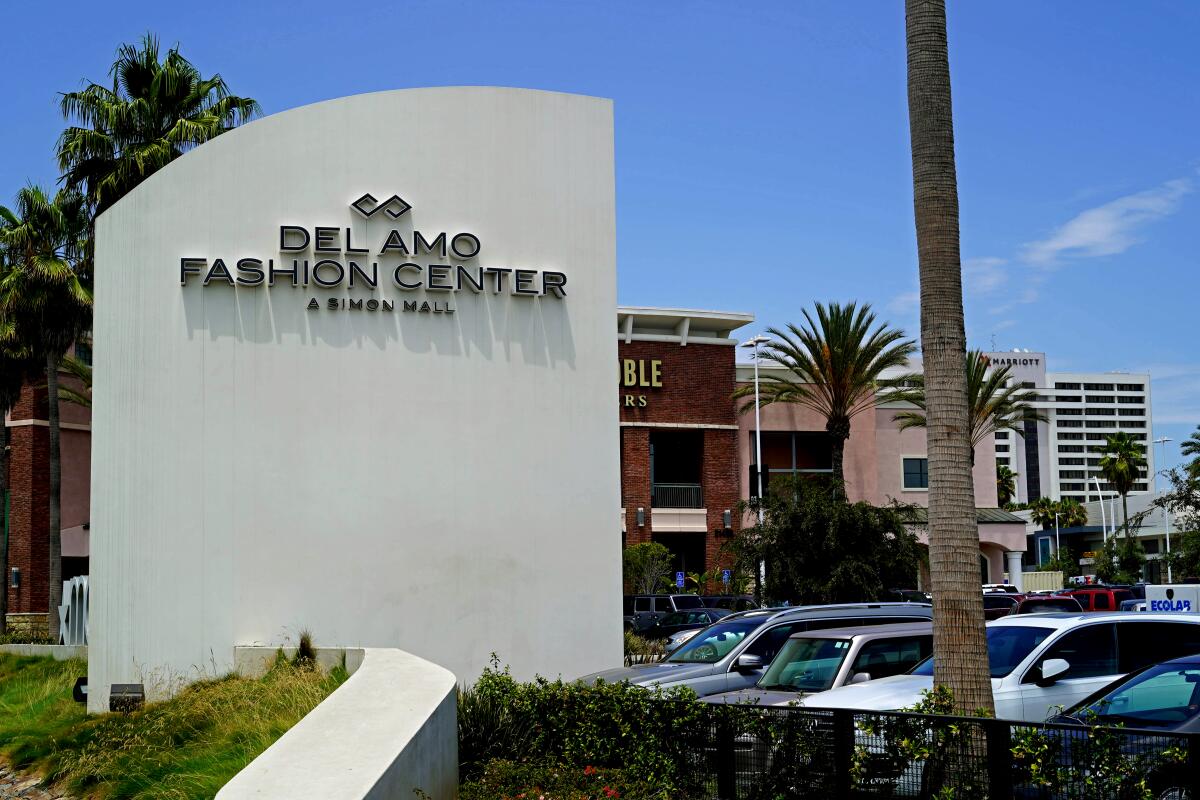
999, 759
726, 758
843, 752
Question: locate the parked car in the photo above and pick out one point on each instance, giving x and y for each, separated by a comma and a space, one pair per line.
1041, 604
1041, 662
677, 621
733, 652
733, 602
999, 604
1101, 598
1165, 697
988, 588
643, 610
818, 660
908, 595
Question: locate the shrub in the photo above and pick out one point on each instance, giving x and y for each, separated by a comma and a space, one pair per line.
551, 724
515, 781
638, 646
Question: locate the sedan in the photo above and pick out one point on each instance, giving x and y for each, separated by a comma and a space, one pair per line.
691, 620
1164, 697
1042, 604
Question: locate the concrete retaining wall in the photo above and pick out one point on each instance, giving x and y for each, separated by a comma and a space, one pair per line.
390, 730
59, 652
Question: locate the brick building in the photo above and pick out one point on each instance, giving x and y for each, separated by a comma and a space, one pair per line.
679, 432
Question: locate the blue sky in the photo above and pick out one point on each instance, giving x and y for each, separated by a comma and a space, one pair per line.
762, 149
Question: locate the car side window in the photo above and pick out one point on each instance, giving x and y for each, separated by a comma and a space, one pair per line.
1091, 651
663, 605
1140, 644
628, 605
769, 642
1100, 602
641, 604
886, 657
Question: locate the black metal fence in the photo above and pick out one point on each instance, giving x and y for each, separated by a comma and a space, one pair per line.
752, 753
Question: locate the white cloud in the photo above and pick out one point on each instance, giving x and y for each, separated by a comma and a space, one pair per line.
905, 303
983, 275
1108, 229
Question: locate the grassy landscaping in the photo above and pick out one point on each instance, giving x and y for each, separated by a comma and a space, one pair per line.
186, 747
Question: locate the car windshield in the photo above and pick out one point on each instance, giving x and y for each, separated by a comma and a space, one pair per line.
714, 642
806, 665
1161, 697
1008, 646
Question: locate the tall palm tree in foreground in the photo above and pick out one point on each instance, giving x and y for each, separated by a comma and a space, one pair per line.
1121, 465
157, 107
832, 364
959, 641
996, 402
46, 304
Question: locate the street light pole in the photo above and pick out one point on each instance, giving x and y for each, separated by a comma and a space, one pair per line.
1162, 440
1103, 519
758, 465
1057, 546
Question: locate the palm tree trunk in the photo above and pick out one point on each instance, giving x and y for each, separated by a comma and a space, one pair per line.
55, 493
960, 643
4, 439
839, 432
1125, 514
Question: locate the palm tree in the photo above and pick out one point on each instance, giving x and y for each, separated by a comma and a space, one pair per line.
1191, 447
1042, 512
996, 403
1006, 485
1120, 465
960, 643
46, 304
154, 111
82, 373
1071, 513
832, 364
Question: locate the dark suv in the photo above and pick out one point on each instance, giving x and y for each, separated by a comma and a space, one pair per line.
643, 610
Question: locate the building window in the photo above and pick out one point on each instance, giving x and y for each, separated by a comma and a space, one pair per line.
1070, 436
1064, 474
1069, 412
916, 473
1028, 385
1150, 546
1129, 423
1102, 412
1002, 448
1071, 462
1070, 448
1001, 434
1070, 423
1101, 398
1066, 386
1097, 387
1131, 412
1071, 487
1069, 399
1139, 399
1101, 423
1130, 387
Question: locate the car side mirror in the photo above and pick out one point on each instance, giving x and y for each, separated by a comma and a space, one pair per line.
748, 663
860, 677
1052, 670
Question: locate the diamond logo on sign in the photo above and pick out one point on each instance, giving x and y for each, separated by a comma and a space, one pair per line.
395, 206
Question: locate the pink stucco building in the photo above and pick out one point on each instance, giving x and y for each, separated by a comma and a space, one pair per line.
881, 463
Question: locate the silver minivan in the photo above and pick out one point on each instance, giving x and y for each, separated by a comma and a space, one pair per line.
732, 653
819, 660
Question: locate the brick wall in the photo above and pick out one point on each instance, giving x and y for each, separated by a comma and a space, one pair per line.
697, 384
29, 507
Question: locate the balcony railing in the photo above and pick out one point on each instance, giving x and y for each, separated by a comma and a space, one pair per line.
677, 495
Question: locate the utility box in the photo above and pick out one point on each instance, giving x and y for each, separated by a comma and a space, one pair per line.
1174, 597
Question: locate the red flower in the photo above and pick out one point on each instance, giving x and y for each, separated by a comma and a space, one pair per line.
589, 770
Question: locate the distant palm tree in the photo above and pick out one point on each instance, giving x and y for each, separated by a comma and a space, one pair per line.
832, 364
1122, 460
82, 373
46, 304
1191, 447
1071, 513
959, 640
996, 402
1006, 485
155, 110
1042, 511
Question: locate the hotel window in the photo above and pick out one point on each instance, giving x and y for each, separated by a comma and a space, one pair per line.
1070, 423
1069, 399
1074, 386
1070, 436
1064, 474
1131, 412
1071, 462
1102, 423
1130, 387
1002, 448
1001, 434
1028, 385
1101, 398
1139, 399
916, 473
1129, 423
1070, 448
1071, 487
1150, 546
1097, 387
1101, 412
1069, 412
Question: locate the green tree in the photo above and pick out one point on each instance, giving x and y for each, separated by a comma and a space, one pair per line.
996, 402
1071, 513
1121, 465
959, 640
1006, 485
1183, 501
1041, 511
818, 548
832, 364
46, 303
157, 107
82, 373
1120, 560
646, 566
1190, 447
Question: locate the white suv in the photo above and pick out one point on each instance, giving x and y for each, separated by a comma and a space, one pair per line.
1041, 662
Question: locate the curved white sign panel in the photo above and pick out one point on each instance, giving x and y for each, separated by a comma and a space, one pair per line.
353, 374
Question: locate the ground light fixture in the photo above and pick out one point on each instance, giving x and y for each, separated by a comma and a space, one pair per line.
641, 517
15, 580
727, 519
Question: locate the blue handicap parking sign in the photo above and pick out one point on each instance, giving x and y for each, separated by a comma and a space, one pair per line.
679, 579
725, 576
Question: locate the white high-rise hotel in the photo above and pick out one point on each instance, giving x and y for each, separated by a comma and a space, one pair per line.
1060, 458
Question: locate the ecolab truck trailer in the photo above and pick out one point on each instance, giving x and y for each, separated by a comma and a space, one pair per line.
1181, 598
